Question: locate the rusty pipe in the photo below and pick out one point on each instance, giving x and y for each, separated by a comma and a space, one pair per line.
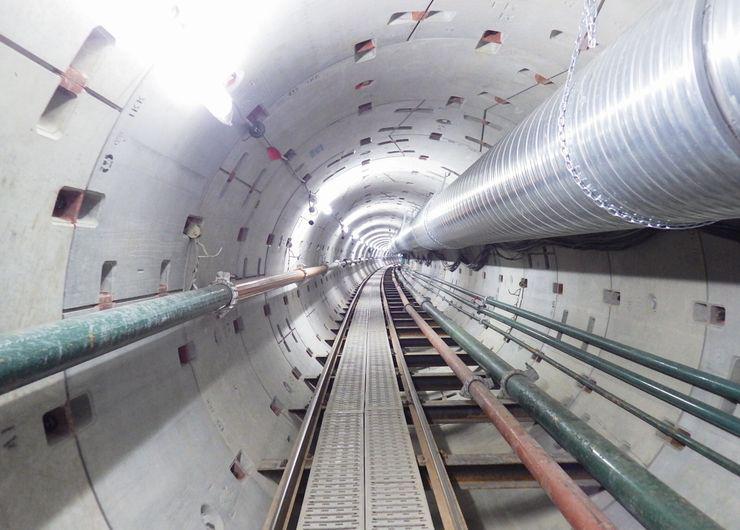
262, 285
572, 502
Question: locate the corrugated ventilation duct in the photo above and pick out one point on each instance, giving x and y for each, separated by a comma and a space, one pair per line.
652, 124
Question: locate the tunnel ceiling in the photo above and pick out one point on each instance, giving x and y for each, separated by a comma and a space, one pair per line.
388, 102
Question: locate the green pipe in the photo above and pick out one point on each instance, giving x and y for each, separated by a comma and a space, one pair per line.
713, 383
35, 353
680, 400
650, 501
663, 426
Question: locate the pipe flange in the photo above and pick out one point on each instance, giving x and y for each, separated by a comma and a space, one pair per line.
530, 373
224, 278
465, 390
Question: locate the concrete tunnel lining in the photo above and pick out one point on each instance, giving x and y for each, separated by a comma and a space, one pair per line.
156, 446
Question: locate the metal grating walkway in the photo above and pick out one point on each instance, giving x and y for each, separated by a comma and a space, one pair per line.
364, 472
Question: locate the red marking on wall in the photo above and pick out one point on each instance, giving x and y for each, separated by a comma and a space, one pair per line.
273, 153
105, 301
73, 81
542, 80
363, 84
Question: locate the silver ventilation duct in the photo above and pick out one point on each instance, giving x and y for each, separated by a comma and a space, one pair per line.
652, 124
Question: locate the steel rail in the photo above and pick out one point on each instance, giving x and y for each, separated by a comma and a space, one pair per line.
693, 406
650, 501
572, 502
665, 427
444, 494
32, 354
688, 374
279, 514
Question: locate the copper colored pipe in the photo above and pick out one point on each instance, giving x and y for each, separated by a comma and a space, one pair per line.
262, 285
575, 506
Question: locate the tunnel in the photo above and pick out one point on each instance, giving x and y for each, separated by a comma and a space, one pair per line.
370, 264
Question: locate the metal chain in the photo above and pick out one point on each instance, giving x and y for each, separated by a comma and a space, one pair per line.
586, 40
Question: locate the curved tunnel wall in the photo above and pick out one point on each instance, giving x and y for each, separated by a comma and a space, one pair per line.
155, 445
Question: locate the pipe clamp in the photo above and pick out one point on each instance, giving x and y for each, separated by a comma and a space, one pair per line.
465, 390
224, 278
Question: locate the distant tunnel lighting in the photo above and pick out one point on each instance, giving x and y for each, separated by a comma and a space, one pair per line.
373, 208
348, 179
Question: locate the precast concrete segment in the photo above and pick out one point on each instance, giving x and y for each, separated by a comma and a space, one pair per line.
364, 473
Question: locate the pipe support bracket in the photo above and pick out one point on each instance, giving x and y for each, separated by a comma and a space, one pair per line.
465, 390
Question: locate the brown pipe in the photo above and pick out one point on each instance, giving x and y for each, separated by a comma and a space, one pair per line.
575, 506
262, 285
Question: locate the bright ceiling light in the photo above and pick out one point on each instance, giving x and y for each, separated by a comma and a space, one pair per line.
219, 103
197, 48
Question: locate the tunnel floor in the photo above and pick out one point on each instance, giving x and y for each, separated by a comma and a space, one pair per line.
376, 450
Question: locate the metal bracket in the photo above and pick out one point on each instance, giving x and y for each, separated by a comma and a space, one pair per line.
224, 278
530, 373
465, 390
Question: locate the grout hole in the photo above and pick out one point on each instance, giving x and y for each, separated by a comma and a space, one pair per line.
61, 421
186, 353
78, 207
490, 42
365, 50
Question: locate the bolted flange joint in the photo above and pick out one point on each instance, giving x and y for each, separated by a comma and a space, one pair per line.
530, 373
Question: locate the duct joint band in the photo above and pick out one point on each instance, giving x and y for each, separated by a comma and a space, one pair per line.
426, 230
